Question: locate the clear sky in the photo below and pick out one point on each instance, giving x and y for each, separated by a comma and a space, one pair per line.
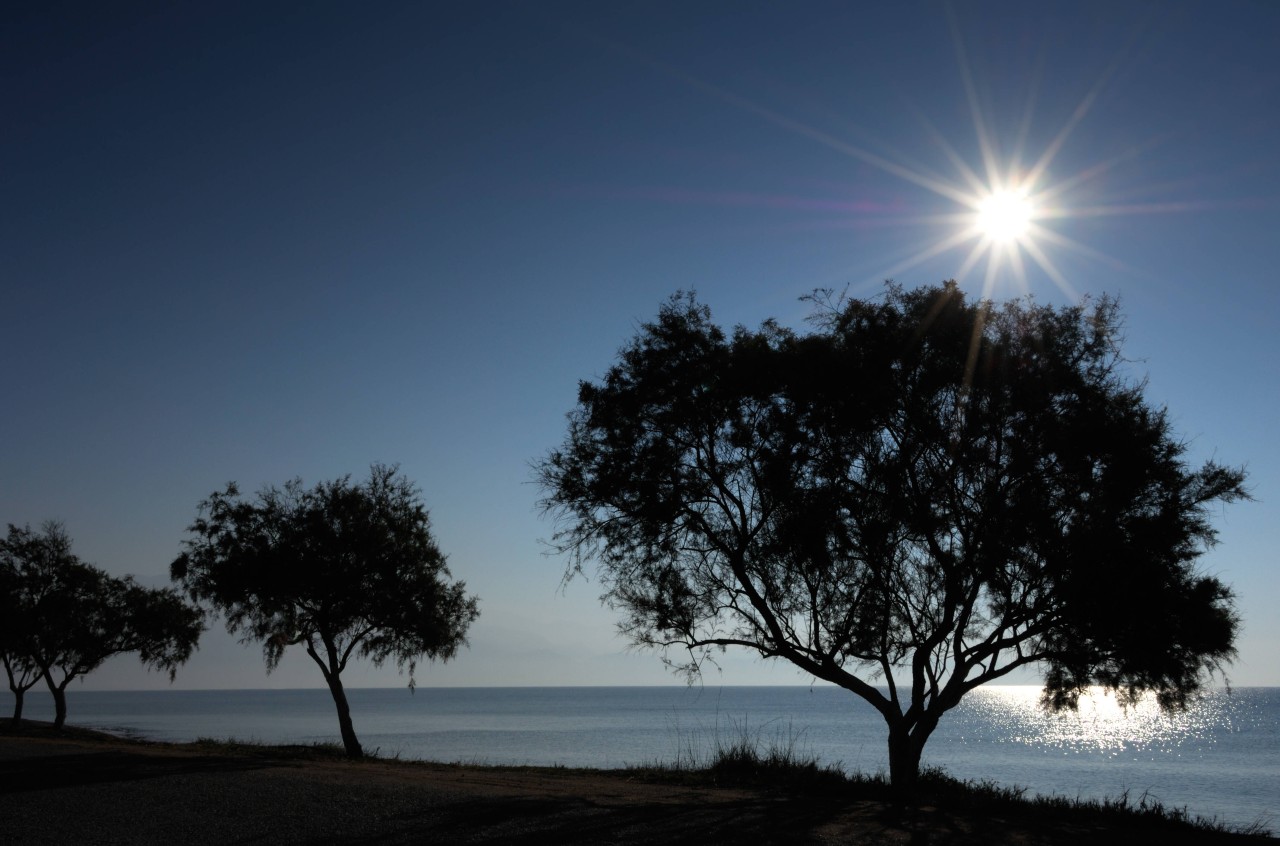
243, 241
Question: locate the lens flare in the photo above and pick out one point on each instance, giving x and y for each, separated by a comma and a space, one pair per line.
1004, 204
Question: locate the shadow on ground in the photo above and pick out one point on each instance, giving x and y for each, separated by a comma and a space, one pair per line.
73, 770
59, 789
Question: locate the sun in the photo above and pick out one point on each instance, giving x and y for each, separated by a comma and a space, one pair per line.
1006, 205
1004, 216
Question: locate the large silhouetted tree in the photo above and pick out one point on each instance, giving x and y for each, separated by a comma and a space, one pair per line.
64, 618
344, 569
921, 493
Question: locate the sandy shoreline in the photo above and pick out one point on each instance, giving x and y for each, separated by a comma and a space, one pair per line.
83, 788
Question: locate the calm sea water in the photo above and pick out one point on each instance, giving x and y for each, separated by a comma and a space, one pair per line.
1220, 759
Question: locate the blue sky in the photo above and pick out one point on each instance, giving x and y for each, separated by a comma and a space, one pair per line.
250, 242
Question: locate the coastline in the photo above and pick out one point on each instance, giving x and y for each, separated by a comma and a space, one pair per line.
1217, 760
84, 786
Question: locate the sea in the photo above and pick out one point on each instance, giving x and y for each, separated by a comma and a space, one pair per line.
1220, 759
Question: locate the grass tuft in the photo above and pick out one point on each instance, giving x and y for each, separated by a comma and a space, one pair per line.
747, 760
986, 796
257, 748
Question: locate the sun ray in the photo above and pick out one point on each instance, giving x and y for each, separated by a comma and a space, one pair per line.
1039, 257
985, 145
975, 344
962, 167
1037, 170
929, 252
1028, 113
1003, 204
894, 153
1081, 110
1059, 240
937, 186
975, 255
993, 268
1066, 184
1019, 269
1178, 207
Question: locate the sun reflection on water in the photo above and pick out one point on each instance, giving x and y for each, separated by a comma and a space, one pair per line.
1101, 723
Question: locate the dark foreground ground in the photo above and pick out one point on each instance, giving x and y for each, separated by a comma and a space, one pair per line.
81, 787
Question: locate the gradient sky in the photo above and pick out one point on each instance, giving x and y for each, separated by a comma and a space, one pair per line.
247, 242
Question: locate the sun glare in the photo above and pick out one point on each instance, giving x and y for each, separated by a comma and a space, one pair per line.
1005, 204
1100, 723
1005, 216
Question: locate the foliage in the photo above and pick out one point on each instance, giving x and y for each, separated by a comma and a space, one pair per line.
345, 569
64, 617
920, 491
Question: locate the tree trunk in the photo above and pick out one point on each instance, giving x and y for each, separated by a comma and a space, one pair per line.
904, 760
59, 703
905, 747
18, 690
333, 677
349, 740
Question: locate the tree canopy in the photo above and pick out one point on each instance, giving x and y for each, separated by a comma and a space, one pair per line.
344, 569
62, 618
916, 496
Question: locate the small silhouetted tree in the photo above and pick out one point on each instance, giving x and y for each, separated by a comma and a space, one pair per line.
344, 569
921, 492
15, 629
70, 617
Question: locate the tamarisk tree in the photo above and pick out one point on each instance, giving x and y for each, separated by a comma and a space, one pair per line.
343, 569
62, 618
915, 497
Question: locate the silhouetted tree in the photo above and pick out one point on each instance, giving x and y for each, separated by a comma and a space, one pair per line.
343, 569
69, 617
921, 491
15, 629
